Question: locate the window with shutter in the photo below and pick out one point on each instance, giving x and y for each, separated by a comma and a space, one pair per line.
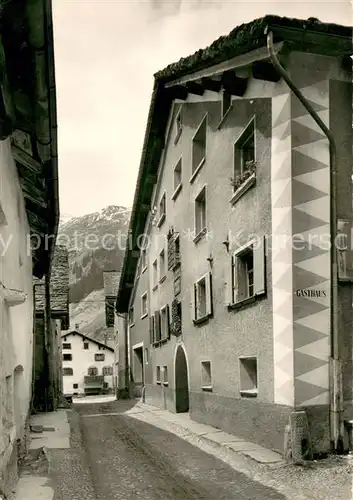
248, 272
202, 298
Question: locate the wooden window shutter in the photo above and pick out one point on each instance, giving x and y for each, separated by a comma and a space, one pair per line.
344, 250
158, 325
260, 267
168, 322
193, 302
235, 279
229, 284
209, 303
152, 330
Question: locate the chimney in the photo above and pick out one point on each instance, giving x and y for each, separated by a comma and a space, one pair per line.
77, 327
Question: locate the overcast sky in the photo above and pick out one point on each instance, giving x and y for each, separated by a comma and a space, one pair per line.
106, 53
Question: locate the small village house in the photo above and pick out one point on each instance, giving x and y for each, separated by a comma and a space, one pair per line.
240, 310
28, 206
87, 365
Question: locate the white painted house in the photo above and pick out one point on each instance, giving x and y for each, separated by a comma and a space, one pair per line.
87, 365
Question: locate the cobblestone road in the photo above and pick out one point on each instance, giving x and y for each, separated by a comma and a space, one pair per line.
118, 457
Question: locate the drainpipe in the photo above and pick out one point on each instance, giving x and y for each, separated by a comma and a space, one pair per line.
336, 423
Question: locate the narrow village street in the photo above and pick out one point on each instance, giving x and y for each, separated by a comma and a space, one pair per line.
114, 456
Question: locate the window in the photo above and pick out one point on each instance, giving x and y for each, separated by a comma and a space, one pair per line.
131, 317
86, 345
202, 298
68, 371
105, 385
143, 260
206, 377
200, 213
155, 274
162, 210
248, 277
155, 327
248, 376
75, 386
199, 148
165, 375
178, 126
66, 345
244, 155
67, 357
177, 179
144, 310
99, 357
92, 371
162, 272
107, 370
158, 375
164, 322
226, 102
245, 272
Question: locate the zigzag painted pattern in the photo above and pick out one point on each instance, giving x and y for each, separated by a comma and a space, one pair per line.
300, 254
282, 270
311, 218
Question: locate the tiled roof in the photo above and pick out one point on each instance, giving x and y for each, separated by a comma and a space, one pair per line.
84, 337
59, 284
111, 283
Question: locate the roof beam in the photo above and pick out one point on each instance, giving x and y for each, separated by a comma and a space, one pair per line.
231, 64
327, 43
213, 85
31, 192
195, 88
26, 160
177, 92
233, 84
144, 207
151, 178
265, 71
37, 224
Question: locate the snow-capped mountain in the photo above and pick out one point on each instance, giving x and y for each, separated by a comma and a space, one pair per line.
96, 243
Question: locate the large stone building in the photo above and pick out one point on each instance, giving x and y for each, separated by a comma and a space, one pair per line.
51, 318
235, 311
28, 206
113, 324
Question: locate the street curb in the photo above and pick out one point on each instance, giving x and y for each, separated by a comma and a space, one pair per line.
215, 444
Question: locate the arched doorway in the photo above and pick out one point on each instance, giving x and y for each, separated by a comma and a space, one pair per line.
181, 381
